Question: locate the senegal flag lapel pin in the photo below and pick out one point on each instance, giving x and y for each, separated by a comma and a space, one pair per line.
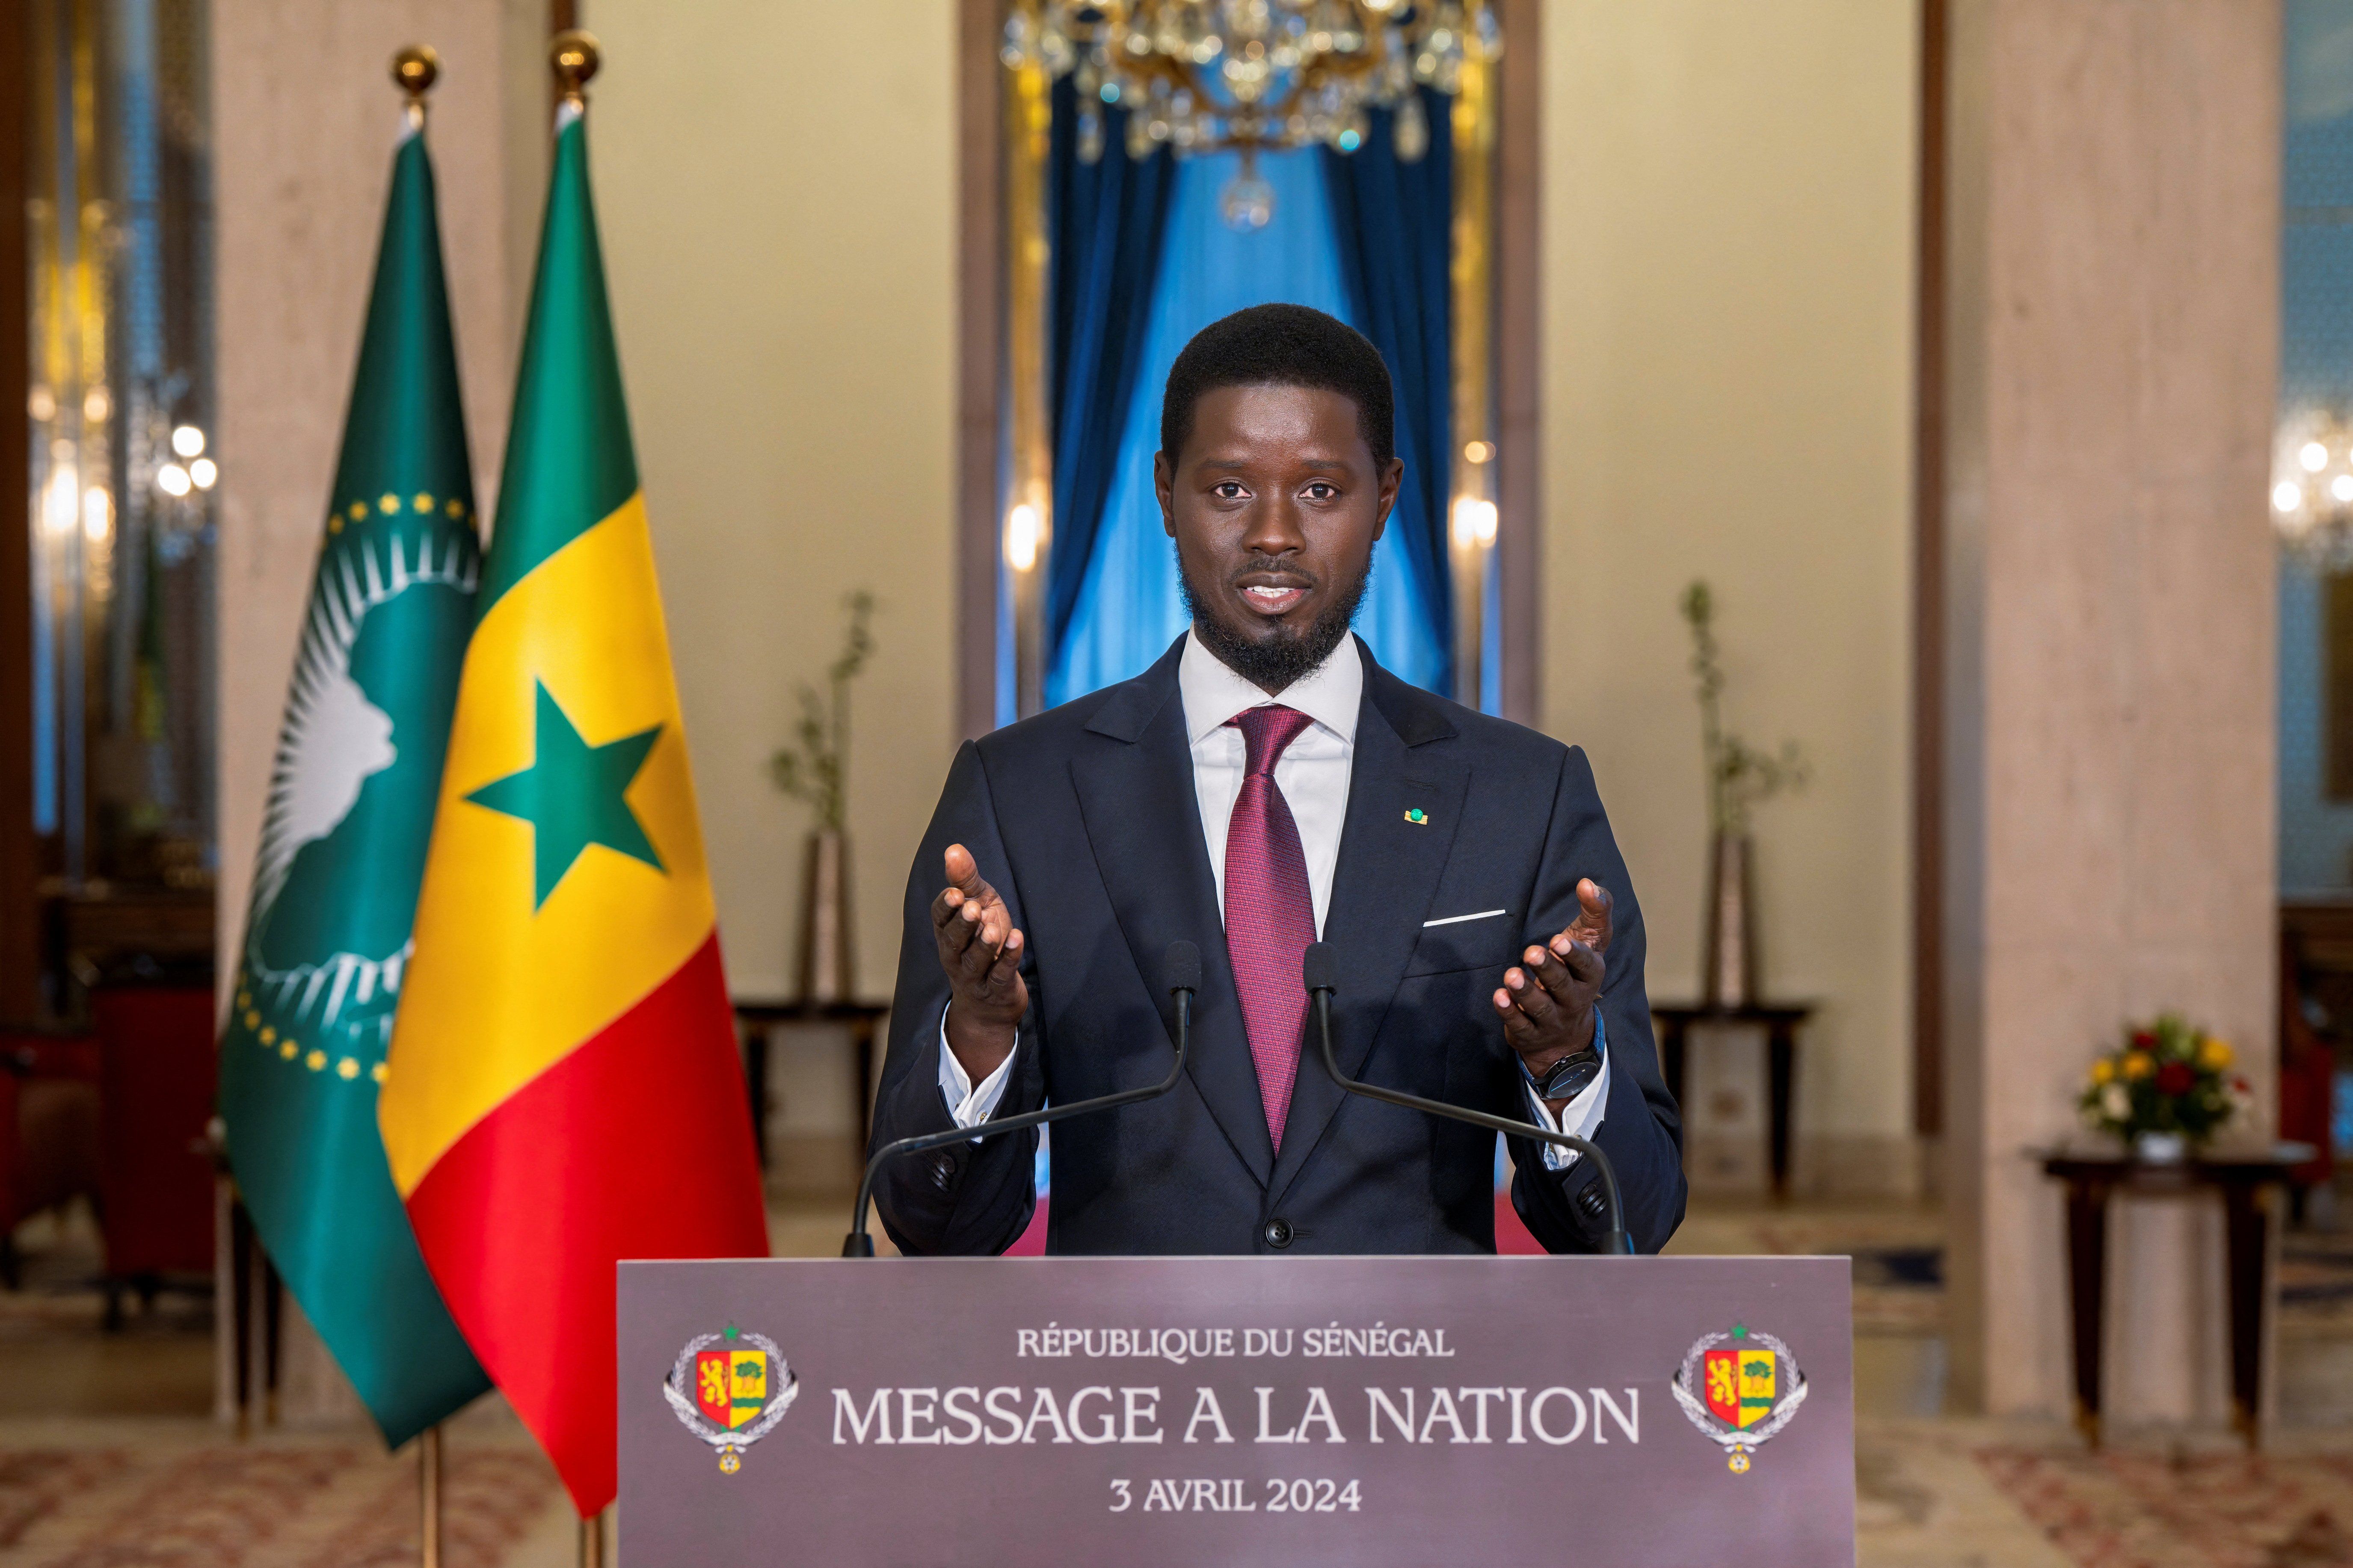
1418, 816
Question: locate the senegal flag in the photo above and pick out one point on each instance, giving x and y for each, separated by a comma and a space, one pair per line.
343, 846
564, 1087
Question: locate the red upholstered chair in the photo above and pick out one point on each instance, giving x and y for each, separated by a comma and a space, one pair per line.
49, 1128
2307, 1077
155, 1179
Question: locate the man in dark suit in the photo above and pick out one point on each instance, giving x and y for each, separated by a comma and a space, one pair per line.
1264, 783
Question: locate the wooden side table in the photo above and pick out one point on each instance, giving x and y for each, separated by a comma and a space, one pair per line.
759, 1016
2243, 1176
1780, 1023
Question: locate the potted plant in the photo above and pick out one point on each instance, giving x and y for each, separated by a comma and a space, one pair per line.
2166, 1090
1740, 778
815, 768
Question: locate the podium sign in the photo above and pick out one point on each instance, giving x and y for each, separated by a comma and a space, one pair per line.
1244, 1410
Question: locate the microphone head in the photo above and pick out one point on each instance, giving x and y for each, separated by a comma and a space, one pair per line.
1184, 966
1319, 970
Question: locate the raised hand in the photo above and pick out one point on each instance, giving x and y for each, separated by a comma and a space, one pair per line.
981, 952
1548, 1003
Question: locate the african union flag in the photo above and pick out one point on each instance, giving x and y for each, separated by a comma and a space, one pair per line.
343, 846
564, 1090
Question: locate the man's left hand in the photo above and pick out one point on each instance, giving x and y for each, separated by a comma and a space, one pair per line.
1546, 1003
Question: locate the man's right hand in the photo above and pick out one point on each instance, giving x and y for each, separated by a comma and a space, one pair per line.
981, 952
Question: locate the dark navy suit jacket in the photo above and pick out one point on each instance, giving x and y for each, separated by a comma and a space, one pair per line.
1084, 820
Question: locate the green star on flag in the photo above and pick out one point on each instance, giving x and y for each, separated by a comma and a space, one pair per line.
572, 794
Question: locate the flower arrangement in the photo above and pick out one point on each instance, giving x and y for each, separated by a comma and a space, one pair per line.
2167, 1079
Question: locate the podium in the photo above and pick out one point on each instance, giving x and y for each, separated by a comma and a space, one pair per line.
1143, 1411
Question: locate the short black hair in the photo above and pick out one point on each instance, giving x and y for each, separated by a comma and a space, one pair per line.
1282, 345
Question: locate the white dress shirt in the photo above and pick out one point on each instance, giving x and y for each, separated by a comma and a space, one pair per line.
1312, 775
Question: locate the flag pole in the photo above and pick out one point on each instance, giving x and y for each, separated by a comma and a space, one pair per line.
429, 1478
414, 71
574, 56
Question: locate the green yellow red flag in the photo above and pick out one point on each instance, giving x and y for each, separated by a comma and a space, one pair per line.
563, 1089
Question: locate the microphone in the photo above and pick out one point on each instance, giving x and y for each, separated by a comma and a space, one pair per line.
1317, 970
1181, 970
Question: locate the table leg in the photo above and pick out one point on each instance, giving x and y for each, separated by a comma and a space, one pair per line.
273, 1302
2087, 1290
240, 1290
755, 1081
2247, 1242
1780, 1064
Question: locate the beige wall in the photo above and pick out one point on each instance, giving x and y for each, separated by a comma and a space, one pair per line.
780, 242
1728, 236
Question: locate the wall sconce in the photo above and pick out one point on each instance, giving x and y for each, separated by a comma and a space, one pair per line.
1028, 539
1474, 522
2312, 490
1023, 530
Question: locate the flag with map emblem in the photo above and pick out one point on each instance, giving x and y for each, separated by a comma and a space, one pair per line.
342, 847
565, 1088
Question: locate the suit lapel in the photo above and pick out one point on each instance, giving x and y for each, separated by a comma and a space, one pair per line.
1135, 785
1387, 874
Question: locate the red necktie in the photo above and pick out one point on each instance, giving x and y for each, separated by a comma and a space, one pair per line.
1270, 914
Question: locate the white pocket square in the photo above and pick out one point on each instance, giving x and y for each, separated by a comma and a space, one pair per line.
1458, 919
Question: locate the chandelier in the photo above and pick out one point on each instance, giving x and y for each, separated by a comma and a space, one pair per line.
2312, 490
1210, 76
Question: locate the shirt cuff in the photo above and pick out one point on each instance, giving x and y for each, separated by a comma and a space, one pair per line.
1580, 1118
969, 1106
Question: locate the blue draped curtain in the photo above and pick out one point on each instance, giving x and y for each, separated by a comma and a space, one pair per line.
1393, 224
1129, 609
1106, 219
1143, 259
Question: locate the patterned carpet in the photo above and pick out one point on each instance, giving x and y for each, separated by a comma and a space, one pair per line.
277, 1503
2149, 1510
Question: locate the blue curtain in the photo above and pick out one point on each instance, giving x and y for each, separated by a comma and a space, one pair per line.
1106, 221
1392, 223
1128, 609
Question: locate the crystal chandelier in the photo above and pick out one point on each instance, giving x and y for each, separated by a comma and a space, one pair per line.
2312, 490
1208, 76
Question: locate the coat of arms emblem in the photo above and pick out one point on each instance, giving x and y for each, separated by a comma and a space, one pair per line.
1739, 1388
730, 1389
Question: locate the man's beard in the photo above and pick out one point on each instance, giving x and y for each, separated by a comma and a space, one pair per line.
1274, 664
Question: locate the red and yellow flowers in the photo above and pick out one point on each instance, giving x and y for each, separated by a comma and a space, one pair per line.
2167, 1077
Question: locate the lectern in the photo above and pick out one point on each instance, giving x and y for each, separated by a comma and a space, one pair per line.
1237, 1410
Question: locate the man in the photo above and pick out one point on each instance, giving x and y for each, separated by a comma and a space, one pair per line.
1263, 784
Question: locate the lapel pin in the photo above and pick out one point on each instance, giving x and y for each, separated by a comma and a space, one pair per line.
1418, 816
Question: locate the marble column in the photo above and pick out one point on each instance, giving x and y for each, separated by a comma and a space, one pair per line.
305, 119
2111, 323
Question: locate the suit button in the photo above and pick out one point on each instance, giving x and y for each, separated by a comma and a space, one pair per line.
943, 1170
1278, 1233
1591, 1204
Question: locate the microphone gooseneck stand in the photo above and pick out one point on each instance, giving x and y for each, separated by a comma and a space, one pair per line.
1317, 973
1184, 977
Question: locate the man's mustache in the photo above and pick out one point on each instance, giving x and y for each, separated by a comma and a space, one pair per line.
1273, 567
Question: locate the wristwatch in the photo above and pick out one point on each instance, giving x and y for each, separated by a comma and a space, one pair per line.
1567, 1078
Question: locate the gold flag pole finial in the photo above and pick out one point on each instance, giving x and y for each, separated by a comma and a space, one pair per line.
574, 56
415, 69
